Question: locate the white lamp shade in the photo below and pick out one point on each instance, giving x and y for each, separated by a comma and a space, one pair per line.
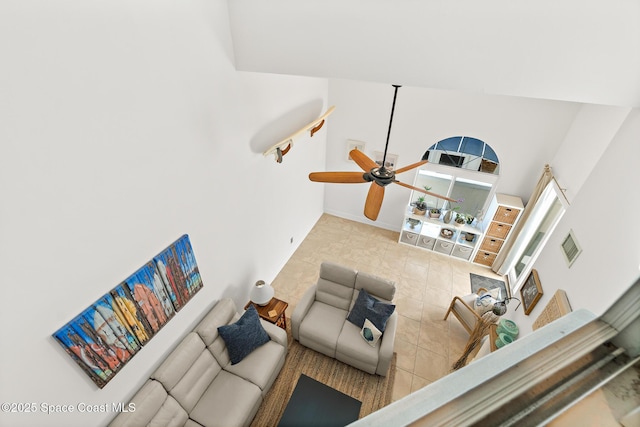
261, 293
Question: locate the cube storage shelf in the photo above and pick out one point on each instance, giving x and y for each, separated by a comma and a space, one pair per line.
427, 233
502, 215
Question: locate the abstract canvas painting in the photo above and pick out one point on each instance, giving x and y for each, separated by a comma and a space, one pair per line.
179, 270
149, 293
106, 335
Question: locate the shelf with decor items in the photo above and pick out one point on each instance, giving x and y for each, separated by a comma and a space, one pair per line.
435, 235
502, 215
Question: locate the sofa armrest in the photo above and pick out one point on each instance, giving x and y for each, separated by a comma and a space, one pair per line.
386, 345
301, 310
276, 333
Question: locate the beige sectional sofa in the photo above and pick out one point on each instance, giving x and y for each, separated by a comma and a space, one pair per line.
319, 320
196, 385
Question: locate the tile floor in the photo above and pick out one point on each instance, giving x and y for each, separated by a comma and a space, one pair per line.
426, 281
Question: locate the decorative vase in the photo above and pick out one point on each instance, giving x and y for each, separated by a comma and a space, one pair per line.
448, 216
508, 327
469, 237
503, 339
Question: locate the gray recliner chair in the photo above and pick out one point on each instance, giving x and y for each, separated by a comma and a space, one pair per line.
319, 320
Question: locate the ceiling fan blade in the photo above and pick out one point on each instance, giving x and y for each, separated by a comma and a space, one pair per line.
362, 160
374, 201
338, 177
421, 190
411, 166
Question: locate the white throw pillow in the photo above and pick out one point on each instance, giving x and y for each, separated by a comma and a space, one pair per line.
370, 333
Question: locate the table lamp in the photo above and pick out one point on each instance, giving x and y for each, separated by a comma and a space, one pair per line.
261, 293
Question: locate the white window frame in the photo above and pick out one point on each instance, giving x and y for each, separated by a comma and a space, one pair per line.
550, 194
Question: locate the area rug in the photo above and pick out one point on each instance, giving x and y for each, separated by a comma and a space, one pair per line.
316, 404
488, 283
373, 391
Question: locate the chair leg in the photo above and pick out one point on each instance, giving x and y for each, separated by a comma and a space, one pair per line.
449, 310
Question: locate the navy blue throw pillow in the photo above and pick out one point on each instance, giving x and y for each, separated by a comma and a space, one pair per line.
368, 307
244, 336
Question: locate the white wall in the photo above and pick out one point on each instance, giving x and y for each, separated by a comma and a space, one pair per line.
574, 50
602, 216
125, 125
588, 138
525, 133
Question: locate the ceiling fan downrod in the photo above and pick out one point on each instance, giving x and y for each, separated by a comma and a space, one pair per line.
386, 145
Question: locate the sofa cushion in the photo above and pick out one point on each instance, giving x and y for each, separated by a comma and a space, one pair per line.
321, 327
244, 336
187, 371
262, 366
223, 313
382, 288
370, 333
368, 307
335, 285
353, 350
154, 407
228, 401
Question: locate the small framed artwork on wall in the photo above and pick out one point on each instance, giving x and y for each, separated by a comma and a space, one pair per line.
531, 291
352, 144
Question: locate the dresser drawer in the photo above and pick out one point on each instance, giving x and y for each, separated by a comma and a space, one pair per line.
485, 258
426, 242
443, 247
498, 230
463, 252
506, 215
409, 237
489, 244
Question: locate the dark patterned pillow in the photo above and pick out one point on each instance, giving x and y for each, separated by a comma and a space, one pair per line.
368, 307
244, 336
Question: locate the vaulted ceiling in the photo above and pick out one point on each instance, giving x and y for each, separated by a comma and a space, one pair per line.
574, 50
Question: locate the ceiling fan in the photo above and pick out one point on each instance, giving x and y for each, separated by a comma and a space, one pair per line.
378, 175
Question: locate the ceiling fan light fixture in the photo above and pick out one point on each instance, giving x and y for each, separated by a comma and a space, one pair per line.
373, 173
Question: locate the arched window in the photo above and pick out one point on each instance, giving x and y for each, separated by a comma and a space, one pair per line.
464, 152
463, 168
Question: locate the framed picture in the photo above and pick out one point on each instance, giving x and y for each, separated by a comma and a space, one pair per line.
531, 291
352, 144
390, 162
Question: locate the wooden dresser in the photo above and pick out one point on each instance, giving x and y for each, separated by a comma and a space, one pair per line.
503, 213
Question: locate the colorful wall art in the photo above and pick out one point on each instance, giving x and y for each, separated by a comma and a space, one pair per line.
106, 335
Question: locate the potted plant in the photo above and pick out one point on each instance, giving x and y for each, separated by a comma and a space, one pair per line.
434, 213
420, 206
460, 219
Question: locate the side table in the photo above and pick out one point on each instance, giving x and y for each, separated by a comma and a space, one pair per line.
273, 312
